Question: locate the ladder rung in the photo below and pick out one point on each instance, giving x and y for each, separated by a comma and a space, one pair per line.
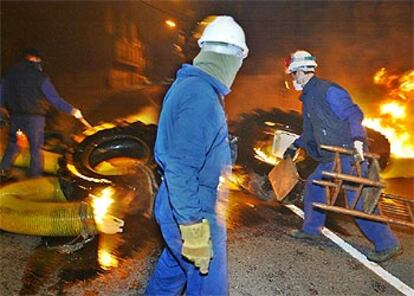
354, 179
362, 214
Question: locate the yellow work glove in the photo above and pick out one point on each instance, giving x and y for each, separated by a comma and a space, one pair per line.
197, 244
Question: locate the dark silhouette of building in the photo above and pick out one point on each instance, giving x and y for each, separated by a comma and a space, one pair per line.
95, 45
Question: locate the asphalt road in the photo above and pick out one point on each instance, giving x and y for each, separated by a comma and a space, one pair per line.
263, 259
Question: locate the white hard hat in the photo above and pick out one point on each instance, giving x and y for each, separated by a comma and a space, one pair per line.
301, 60
224, 30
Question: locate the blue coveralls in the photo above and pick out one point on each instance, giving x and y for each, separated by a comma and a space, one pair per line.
331, 118
192, 150
22, 93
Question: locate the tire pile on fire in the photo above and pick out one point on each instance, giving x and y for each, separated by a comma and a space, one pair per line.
256, 130
79, 171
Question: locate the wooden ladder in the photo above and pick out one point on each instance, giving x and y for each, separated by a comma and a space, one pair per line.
391, 208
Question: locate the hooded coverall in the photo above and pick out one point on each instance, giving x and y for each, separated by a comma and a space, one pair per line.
192, 150
331, 118
24, 92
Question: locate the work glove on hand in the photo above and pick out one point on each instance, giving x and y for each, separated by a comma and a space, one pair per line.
290, 151
77, 113
359, 148
197, 244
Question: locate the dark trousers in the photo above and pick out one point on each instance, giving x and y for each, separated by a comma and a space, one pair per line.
380, 234
33, 126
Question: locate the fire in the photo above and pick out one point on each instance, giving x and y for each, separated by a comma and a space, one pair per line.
401, 141
394, 109
264, 156
234, 180
407, 82
380, 76
148, 115
393, 121
105, 222
101, 204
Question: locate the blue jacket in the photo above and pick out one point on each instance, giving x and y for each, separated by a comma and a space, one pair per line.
329, 117
25, 91
192, 147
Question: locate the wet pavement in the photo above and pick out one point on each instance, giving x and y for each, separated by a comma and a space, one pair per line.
263, 259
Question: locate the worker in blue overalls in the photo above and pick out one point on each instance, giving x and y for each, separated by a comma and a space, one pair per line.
192, 150
330, 117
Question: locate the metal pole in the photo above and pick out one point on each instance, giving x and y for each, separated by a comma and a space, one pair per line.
85, 123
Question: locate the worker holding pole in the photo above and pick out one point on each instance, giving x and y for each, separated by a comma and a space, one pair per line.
24, 93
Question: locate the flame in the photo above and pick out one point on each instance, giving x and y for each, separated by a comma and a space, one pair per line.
407, 82
262, 155
101, 203
234, 180
401, 141
393, 108
148, 115
380, 76
394, 121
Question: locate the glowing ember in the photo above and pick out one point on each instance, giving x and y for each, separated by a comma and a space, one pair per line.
101, 203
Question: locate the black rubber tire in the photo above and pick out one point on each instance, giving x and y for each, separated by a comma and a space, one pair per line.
135, 140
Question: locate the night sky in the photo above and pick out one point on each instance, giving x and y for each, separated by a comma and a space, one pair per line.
351, 39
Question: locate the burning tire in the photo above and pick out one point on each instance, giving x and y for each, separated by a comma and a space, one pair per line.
80, 173
255, 131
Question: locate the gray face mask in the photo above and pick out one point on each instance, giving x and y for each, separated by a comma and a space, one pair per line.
221, 66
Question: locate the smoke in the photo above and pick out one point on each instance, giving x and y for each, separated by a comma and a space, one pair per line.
351, 41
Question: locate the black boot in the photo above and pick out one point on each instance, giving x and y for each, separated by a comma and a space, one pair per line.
385, 255
300, 234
